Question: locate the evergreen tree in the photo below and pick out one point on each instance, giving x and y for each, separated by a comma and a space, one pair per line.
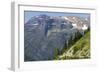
64, 48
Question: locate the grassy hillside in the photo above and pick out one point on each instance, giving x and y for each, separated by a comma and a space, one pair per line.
79, 50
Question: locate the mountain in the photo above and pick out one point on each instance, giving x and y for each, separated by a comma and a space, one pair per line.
44, 34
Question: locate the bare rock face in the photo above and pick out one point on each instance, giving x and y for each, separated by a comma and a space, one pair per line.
43, 34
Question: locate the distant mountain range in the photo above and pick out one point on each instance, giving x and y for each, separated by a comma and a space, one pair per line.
43, 34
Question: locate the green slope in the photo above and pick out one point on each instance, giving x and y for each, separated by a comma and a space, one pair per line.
79, 50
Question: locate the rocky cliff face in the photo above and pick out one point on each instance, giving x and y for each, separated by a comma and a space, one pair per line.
43, 34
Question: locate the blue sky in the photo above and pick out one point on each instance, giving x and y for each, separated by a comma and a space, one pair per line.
29, 14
